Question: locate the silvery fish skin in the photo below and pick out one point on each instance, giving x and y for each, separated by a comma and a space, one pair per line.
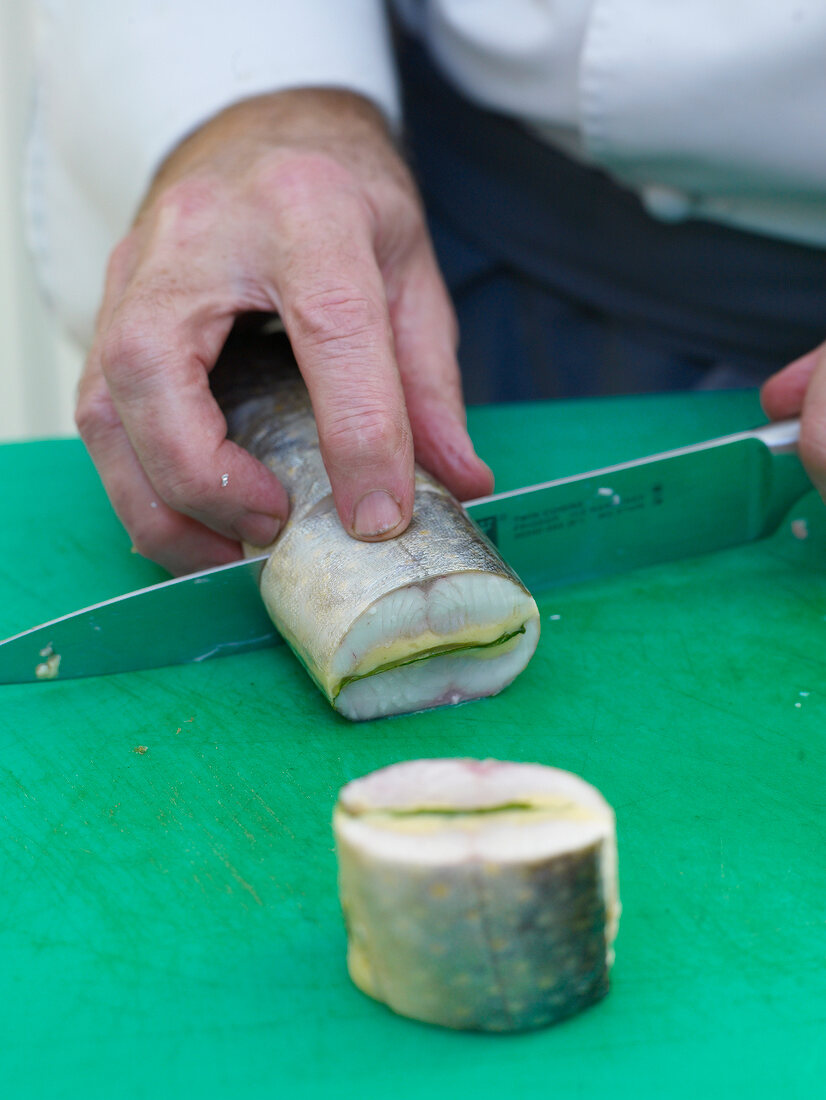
479, 895
431, 617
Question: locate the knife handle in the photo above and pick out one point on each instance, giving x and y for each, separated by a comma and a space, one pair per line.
781, 437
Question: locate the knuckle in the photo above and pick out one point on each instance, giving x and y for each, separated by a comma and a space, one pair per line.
185, 483
365, 435
401, 226
121, 259
300, 176
95, 415
185, 208
181, 484
127, 348
336, 314
307, 195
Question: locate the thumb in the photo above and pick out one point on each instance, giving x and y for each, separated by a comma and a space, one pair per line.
782, 395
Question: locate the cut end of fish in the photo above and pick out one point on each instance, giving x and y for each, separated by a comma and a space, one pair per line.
478, 894
430, 618
451, 639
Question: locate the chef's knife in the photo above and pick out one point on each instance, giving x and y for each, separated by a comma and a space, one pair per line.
677, 504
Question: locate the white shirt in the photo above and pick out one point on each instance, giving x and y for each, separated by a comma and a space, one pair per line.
708, 108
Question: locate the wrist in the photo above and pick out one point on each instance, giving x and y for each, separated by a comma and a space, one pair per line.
242, 134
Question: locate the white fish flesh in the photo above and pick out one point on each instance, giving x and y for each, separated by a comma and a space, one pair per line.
431, 617
478, 894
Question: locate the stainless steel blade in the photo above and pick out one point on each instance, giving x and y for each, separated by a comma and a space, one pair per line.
190, 618
672, 505
677, 504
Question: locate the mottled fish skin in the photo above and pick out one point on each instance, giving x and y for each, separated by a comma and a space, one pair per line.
457, 938
327, 592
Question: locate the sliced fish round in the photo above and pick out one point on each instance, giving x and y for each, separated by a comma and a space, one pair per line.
478, 894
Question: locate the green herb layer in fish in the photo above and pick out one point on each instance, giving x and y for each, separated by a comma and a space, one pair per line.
478, 894
431, 617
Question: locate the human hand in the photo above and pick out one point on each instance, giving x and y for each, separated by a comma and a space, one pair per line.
799, 389
295, 203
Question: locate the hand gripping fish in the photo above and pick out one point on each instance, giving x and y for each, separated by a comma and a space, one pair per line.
432, 617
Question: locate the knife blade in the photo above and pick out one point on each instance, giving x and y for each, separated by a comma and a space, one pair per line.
676, 504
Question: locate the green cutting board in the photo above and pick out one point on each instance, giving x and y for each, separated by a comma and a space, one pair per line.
169, 924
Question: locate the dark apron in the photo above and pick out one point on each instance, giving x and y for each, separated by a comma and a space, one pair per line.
564, 285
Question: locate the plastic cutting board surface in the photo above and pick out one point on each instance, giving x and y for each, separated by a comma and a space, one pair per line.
169, 923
